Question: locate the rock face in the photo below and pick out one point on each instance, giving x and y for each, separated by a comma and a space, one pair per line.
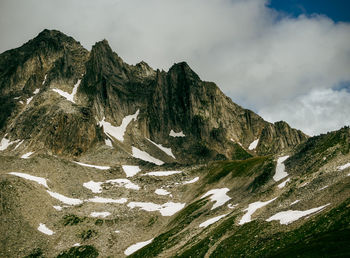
177, 100
100, 158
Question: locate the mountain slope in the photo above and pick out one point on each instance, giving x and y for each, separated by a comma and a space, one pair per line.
99, 158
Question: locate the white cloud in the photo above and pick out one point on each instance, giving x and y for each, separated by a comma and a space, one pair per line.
257, 56
317, 112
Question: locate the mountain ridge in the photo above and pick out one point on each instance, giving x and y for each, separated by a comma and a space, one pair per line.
176, 99
99, 158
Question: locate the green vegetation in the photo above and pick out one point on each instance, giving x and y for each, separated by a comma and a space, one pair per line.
239, 153
235, 168
84, 251
99, 222
36, 253
173, 236
323, 236
308, 156
87, 234
71, 219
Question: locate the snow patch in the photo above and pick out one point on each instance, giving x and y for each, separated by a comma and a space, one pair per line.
162, 173
97, 199
18, 144
39, 180
65, 199
92, 166
124, 183
95, 187
251, 209
164, 149
27, 155
323, 187
57, 207
108, 142
191, 181
43, 229
29, 100
162, 192
69, 97
218, 196
283, 184
139, 154
5, 143
173, 134
280, 169
130, 171
296, 201
287, 217
253, 145
36, 91
345, 166
211, 221
100, 214
118, 131
166, 209
76, 244
231, 206
44, 79
133, 248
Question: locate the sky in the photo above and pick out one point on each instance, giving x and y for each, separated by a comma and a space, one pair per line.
284, 59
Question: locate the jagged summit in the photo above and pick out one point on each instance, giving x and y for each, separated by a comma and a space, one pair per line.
177, 100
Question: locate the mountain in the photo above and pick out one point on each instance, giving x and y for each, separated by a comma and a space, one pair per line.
100, 158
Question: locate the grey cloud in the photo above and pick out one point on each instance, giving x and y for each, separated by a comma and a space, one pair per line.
257, 56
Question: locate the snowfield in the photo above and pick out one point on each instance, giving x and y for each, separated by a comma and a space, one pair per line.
124, 183
139, 154
118, 131
103, 214
283, 184
5, 143
166, 209
97, 199
191, 181
211, 221
65, 199
162, 192
280, 169
251, 209
218, 196
131, 171
27, 155
96, 187
66, 95
287, 217
39, 180
92, 166
164, 149
173, 134
345, 166
162, 173
253, 145
133, 248
43, 229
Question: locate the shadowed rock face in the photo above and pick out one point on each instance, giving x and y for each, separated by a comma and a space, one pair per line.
175, 100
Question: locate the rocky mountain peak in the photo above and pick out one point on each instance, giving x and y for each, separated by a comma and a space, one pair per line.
101, 158
182, 71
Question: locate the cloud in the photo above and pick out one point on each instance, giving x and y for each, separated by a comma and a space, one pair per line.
319, 111
261, 58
